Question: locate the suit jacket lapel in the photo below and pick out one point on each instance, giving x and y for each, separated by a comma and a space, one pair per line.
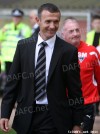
31, 54
55, 57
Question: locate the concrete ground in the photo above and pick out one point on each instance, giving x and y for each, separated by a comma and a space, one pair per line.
96, 129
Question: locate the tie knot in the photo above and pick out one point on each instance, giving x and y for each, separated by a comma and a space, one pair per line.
44, 44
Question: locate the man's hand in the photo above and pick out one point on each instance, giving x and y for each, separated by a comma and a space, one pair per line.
4, 124
77, 130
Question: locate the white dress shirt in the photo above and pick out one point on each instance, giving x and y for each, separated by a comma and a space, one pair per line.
49, 50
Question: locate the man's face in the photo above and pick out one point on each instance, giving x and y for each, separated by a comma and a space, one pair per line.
71, 32
17, 20
96, 25
49, 23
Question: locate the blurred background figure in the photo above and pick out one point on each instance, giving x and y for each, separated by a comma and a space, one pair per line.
33, 21
93, 38
10, 34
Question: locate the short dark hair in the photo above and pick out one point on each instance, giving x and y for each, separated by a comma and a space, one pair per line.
49, 7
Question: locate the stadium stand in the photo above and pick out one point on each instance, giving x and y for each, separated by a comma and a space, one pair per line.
62, 4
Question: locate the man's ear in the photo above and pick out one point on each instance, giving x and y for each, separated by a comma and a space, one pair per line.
38, 20
62, 35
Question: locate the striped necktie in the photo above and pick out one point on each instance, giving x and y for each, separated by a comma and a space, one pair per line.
40, 73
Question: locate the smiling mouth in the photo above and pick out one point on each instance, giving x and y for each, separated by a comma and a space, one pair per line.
76, 37
52, 31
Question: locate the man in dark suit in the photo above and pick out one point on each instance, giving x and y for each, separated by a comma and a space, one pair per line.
42, 69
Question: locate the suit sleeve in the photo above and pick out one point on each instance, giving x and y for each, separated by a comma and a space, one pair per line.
75, 97
11, 88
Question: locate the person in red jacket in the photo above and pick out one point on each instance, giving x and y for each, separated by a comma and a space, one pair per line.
89, 70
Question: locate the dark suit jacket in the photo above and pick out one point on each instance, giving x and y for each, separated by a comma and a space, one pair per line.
63, 73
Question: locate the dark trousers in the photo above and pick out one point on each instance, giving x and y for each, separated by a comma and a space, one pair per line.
42, 122
89, 117
97, 108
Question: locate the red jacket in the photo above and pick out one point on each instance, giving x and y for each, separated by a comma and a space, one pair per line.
90, 72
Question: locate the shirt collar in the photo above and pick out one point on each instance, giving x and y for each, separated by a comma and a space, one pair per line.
36, 26
50, 41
